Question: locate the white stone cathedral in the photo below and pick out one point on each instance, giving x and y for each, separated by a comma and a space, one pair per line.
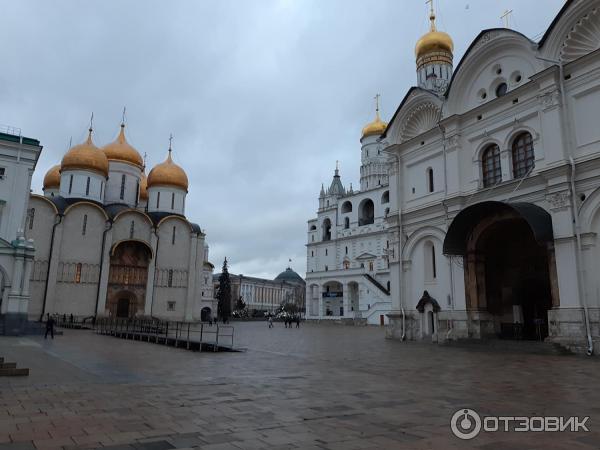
494, 194
348, 272
110, 241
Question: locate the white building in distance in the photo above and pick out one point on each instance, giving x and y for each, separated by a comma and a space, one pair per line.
347, 270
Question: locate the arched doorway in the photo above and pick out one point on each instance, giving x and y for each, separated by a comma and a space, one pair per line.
333, 299
508, 264
205, 314
127, 278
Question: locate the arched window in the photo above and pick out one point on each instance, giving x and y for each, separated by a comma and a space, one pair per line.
366, 212
313, 228
385, 198
346, 207
347, 223
346, 265
122, 194
490, 163
523, 157
31, 217
327, 230
430, 263
430, 186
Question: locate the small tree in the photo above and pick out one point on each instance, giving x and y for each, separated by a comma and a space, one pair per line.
240, 305
224, 294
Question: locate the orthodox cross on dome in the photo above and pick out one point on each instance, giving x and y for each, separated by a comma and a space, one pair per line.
431, 14
92, 122
123, 118
145, 157
506, 17
170, 141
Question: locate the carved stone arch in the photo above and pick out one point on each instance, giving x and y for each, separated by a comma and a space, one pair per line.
483, 146
419, 235
583, 38
517, 131
421, 119
589, 210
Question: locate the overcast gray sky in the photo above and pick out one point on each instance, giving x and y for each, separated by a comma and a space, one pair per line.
262, 96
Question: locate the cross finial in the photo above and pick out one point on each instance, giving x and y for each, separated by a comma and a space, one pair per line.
506, 17
92, 122
123, 118
431, 14
337, 165
170, 141
145, 157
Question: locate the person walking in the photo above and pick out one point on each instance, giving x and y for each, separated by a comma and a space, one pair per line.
297, 321
270, 322
49, 327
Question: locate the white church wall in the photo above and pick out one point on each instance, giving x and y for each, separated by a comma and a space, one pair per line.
171, 200
142, 227
78, 187
116, 171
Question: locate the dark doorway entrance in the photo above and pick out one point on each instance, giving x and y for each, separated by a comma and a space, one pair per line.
205, 314
517, 279
123, 308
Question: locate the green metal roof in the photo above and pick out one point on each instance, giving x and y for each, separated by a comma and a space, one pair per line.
13, 138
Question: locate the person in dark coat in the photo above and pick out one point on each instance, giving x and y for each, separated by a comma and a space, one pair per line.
297, 321
49, 327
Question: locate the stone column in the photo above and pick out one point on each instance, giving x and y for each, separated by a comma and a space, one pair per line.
319, 287
151, 273
346, 300
104, 274
27, 275
17, 275
191, 288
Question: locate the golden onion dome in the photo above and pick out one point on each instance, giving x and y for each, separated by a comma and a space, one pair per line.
168, 173
375, 128
52, 178
121, 150
434, 40
85, 156
144, 187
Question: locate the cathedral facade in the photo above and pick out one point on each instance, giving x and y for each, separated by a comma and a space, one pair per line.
347, 271
111, 241
494, 185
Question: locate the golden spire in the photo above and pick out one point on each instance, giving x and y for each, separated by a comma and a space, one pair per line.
431, 15
434, 43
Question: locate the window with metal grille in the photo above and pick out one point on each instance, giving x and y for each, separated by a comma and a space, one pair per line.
492, 172
122, 194
523, 157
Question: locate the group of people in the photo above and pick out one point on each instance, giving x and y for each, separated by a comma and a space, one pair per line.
287, 320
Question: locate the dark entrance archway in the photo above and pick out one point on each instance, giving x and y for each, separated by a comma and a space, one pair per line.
509, 266
205, 314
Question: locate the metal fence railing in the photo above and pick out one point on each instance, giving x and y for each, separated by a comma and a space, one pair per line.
190, 335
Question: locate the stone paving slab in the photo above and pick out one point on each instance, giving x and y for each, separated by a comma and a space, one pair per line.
317, 387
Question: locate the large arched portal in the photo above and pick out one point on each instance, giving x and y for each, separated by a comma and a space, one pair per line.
127, 278
333, 299
509, 266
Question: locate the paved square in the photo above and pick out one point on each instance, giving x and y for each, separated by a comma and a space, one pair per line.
317, 387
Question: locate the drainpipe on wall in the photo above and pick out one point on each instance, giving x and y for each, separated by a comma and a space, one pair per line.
154, 274
56, 223
574, 211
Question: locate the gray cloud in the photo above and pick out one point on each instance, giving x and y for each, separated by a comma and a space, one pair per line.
262, 96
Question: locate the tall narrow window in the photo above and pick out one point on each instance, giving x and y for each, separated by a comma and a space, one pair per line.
137, 191
492, 172
170, 279
101, 189
325, 252
173, 200
346, 250
78, 273
158, 200
173, 237
131, 229
523, 157
433, 265
347, 223
122, 194
430, 185
84, 226
87, 186
31, 217
70, 184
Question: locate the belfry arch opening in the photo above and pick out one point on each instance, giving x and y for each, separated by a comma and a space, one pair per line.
509, 265
366, 212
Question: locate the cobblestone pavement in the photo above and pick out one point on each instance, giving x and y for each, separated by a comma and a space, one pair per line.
317, 387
